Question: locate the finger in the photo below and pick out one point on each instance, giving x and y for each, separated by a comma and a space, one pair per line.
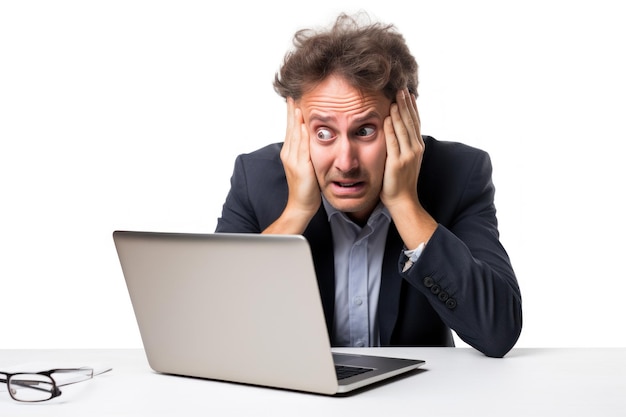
402, 122
412, 121
290, 126
418, 121
302, 135
409, 120
393, 148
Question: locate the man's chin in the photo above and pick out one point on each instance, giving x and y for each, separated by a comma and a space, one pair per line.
352, 206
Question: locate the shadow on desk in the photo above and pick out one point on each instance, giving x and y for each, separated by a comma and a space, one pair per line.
373, 386
378, 384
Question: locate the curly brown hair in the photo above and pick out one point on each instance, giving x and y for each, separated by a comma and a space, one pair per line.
372, 57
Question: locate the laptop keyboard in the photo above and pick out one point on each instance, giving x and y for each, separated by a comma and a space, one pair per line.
344, 372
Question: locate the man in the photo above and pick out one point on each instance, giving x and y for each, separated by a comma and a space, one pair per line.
402, 227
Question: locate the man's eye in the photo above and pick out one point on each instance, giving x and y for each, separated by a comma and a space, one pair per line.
324, 134
365, 131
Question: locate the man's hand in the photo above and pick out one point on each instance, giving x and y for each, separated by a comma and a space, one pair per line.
405, 150
304, 192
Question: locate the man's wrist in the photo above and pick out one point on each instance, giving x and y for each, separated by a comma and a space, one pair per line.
290, 222
412, 256
414, 224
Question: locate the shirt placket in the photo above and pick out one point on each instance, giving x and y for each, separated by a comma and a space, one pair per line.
358, 292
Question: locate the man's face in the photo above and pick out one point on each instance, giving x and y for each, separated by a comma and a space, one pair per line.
347, 144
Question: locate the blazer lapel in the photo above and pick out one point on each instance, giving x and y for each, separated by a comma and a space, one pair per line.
390, 286
320, 239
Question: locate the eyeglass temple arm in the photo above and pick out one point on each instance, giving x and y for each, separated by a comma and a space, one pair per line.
78, 379
25, 383
82, 377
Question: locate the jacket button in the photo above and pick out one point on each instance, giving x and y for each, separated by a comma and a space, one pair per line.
428, 282
451, 303
435, 289
443, 296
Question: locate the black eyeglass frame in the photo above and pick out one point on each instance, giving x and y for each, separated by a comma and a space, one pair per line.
86, 372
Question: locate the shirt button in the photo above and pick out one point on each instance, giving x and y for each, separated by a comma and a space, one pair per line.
359, 343
358, 301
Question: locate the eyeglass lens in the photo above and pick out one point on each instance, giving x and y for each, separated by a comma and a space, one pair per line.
31, 387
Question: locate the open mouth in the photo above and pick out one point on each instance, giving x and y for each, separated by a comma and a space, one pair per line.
347, 184
346, 189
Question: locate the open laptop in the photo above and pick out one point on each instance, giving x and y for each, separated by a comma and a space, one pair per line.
242, 308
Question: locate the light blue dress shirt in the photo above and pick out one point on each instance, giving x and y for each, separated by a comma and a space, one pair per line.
358, 255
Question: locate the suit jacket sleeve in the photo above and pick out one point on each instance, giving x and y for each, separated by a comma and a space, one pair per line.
258, 192
464, 271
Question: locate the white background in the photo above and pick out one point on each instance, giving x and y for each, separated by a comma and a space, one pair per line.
129, 114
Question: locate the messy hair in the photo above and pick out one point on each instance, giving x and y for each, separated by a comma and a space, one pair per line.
372, 57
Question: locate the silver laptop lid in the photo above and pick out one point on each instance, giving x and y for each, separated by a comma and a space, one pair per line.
235, 307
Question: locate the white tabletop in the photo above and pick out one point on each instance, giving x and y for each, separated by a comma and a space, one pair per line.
454, 382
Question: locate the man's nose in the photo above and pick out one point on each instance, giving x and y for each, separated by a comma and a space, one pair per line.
346, 155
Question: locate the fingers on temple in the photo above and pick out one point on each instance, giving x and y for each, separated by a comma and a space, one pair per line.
411, 119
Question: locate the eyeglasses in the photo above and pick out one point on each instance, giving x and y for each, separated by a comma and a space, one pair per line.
41, 386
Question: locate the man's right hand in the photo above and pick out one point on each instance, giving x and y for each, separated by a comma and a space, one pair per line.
304, 191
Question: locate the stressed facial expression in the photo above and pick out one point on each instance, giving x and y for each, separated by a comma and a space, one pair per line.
347, 144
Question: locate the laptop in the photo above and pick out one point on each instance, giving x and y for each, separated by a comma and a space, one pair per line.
242, 308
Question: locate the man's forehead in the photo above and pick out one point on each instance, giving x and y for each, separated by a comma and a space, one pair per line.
335, 95
344, 105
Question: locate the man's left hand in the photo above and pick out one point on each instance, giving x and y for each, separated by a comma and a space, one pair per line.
405, 151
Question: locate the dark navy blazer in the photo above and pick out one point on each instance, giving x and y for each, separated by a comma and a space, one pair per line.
463, 280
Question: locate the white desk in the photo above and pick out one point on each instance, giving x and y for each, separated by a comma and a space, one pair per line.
454, 382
